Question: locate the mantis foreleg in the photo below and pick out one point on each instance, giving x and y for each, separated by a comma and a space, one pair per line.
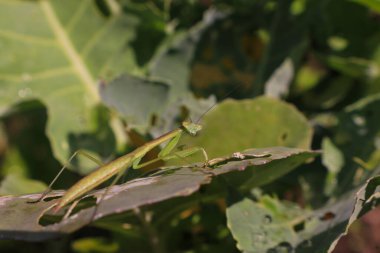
164, 152
180, 154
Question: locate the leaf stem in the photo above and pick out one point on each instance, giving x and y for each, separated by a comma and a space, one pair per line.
152, 233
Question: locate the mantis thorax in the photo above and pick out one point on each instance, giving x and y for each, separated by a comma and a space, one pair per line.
191, 128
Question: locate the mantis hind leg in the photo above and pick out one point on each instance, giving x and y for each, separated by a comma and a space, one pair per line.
182, 155
78, 152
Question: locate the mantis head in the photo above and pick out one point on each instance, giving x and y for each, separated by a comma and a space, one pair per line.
191, 128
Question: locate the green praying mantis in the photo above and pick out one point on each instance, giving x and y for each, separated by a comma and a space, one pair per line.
120, 165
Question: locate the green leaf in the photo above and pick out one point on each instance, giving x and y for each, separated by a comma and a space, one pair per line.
263, 227
283, 160
16, 184
333, 159
136, 99
56, 55
93, 245
354, 67
237, 125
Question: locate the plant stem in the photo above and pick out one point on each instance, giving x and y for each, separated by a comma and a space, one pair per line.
154, 239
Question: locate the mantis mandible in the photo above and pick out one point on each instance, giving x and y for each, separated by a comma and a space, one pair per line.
132, 159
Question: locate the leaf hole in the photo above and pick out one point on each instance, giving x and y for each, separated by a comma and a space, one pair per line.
47, 199
284, 247
50, 218
327, 216
284, 136
299, 226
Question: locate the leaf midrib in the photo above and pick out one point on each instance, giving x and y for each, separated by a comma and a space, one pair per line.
73, 56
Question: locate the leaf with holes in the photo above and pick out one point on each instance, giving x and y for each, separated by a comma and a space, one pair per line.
270, 225
250, 123
176, 182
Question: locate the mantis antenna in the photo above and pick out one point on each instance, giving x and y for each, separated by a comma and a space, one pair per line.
212, 107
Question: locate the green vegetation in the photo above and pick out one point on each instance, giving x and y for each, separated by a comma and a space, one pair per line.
287, 92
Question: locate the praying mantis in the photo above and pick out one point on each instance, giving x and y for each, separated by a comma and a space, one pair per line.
120, 165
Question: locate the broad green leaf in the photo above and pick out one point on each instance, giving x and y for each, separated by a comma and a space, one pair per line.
173, 183
56, 51
237, 125
263, 226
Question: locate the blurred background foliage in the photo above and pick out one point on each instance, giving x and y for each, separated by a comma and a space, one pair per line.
107, 76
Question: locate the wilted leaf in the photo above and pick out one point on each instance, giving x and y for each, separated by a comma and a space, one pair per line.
24, 223
335, 219
268, 225
367, 198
